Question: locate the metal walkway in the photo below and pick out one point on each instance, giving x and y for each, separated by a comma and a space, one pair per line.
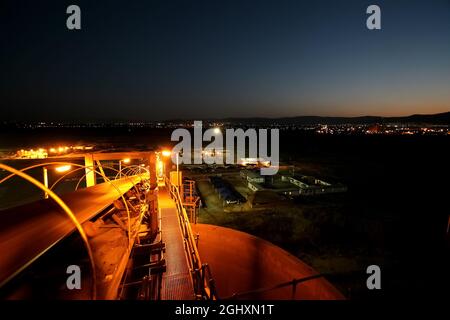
176, 281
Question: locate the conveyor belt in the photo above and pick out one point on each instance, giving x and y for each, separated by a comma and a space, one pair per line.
28, 231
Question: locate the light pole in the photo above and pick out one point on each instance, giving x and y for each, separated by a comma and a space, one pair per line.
127, 160
167, 153
60, 169
45, 172
178, 171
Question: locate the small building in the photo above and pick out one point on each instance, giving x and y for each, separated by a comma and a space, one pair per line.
252, 176
309, 186
290, 186
254, 186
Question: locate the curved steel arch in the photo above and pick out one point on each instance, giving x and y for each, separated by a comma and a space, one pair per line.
50, 192
69, 213
129, 168
85, 167
63, 176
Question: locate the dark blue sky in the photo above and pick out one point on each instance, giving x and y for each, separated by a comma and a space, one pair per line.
198, 59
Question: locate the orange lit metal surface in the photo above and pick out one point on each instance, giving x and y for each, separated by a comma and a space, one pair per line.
253, 263
27, 231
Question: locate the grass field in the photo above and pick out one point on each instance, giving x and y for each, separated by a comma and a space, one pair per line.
316, 230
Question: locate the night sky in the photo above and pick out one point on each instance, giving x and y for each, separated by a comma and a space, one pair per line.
193, 59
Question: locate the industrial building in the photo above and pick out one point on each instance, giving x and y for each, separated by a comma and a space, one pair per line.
290, 185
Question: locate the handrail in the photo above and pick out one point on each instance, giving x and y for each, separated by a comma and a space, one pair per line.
203, 282
292, 283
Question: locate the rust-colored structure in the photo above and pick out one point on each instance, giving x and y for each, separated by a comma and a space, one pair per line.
242, 263
142, 243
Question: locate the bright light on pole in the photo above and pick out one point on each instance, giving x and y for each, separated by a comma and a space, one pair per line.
126, 160
64, 168
60, 169
166, 153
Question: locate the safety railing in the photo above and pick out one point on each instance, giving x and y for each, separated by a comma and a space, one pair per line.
293, 283
204, 285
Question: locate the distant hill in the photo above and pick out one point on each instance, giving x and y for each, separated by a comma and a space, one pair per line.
439, 118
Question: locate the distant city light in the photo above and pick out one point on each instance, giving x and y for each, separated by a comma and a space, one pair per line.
43, 153
32, 154
126, 160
